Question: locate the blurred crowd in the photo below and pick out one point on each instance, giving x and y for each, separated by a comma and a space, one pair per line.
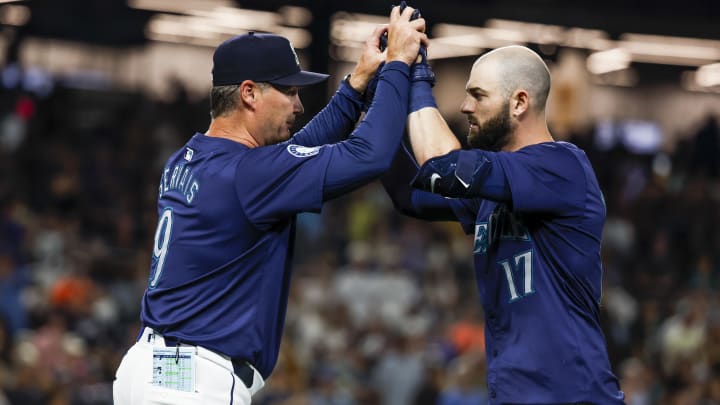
383, 309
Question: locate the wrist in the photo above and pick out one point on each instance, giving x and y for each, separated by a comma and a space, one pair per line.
421, 96
399, 59
357, 81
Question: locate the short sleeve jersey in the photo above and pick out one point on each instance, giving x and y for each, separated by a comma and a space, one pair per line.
538, 268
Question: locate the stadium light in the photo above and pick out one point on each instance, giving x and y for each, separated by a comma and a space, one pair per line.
14, 15
708, 75
209, 27
670, 50
178, 6
608, 61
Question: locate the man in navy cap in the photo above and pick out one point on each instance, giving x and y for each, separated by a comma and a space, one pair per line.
215, 303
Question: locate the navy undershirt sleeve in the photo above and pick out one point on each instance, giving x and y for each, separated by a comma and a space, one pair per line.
409, 201
369, 150
334, 122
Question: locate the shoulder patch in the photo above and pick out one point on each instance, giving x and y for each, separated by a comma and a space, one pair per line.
303, 151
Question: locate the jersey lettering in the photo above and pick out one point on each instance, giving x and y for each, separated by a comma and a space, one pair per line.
506, 224
182, 180
520, 263
161, 245
502, 224
481, 239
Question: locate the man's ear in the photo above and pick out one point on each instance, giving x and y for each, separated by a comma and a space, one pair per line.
249, 91
519, 103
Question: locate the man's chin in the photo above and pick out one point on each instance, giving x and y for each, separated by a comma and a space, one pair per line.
477, 142
282, 137
473, 139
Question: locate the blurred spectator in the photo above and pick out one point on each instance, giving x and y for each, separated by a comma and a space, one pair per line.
465, 383
636, 381
6, 371
467, 334
707, 149
682, 336
12, 282
711, 396
622, 310
384, 309
399, 372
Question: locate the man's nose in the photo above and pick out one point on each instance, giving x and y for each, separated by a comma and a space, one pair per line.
298, 106
467, 106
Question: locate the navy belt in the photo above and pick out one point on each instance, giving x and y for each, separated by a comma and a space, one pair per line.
241, 368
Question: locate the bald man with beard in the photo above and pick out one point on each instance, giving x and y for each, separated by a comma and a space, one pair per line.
536, 212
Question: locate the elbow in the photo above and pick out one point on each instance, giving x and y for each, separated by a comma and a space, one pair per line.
422, 157
384, 164
408, 212
402, 201
403, 207
372, 170
375, 164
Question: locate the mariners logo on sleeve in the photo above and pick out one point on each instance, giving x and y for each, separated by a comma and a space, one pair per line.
303, 151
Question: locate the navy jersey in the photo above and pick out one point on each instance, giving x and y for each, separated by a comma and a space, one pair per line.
224, 243
537, 216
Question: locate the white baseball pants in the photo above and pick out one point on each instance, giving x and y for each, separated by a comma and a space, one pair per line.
139, 378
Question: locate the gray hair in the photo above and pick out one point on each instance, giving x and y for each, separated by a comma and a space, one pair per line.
224, 99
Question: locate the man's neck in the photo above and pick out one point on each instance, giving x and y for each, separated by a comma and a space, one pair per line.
529, 132
233, 130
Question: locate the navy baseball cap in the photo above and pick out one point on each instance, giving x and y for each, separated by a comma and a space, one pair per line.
261, 58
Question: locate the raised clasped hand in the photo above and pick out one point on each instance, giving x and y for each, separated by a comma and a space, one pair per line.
405, 36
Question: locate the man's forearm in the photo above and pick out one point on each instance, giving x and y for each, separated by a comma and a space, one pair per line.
334, 122
430, 135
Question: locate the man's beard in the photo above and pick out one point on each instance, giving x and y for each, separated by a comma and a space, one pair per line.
494, 133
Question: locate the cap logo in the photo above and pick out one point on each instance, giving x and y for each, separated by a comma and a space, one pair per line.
292, 48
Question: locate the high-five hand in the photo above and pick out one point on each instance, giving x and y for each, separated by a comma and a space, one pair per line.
405, 36
369, 62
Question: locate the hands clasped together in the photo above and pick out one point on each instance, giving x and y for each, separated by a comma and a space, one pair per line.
403, 39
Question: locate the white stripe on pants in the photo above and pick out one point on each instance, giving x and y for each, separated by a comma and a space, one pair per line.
215, 381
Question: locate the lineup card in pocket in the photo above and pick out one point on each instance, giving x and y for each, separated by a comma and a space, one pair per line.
174, 368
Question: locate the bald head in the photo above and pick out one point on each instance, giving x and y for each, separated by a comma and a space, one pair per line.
513, 68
